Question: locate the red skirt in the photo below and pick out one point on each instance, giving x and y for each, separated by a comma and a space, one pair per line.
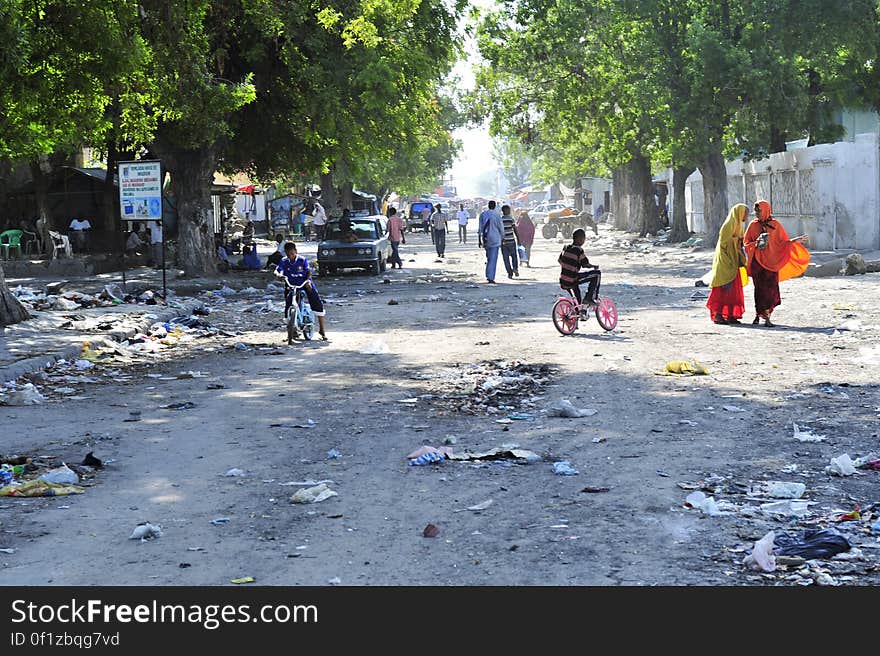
766, 288
728, 300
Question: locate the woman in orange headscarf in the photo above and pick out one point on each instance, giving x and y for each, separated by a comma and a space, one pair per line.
726, 303
772, 258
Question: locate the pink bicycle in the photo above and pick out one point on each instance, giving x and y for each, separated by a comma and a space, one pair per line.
567, 313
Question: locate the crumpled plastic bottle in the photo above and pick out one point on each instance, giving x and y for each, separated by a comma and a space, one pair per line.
427, 459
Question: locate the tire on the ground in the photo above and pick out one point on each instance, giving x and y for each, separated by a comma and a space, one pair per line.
549, 230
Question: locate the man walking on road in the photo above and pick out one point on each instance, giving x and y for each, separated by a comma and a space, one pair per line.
396, 236
463, 216
438, 223
491, 234
509, 243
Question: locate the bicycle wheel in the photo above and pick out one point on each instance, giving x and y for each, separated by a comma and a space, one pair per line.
606, 314
308, 322
291, 324
565, 316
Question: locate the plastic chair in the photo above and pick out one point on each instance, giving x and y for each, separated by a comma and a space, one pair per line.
31, 242
60, 243
8, 240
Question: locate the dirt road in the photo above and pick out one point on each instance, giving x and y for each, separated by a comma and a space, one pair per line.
374, 394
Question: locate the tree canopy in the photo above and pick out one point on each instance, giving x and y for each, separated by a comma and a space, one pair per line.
682, 83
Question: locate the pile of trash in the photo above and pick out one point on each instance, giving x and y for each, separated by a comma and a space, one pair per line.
807, 534
110, 296
24, 476
489, 387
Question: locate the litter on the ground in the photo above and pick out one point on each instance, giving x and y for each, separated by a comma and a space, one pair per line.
806, 435
788, 508
62, 475
841, 466
38, 488
683, 368
235, 471
564, 468
146, 531
762, 558
498, 453
812, 543
785, 489
375, 348
314, 494
564, 408
427, 458
701, 502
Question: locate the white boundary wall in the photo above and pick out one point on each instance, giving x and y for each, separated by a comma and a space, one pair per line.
830, 192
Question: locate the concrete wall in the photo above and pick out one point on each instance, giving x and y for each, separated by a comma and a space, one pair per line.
830, 192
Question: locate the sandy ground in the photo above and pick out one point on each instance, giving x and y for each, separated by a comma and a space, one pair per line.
723, 431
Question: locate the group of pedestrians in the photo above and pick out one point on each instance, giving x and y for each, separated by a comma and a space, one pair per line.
501, 233
497, 233
763, 252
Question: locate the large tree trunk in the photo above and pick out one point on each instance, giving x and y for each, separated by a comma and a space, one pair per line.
328, 192
346, 190
40, 175
635, 210
680, 231
777, 140
192, 174
11, 311
714, 172
616, 198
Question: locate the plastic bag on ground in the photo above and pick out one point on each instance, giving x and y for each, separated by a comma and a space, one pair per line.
146, 531
787, 508
564, 468
313, 494
564, 408
62, 475
762, 558
703, 503
841, 466
27, 395
812, 543
806, 435
375, 348
785, 490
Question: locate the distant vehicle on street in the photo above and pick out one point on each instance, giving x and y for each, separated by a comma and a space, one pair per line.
414, 218
539, 213
366, 246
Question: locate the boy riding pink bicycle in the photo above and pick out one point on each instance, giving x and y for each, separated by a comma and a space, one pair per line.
568, 311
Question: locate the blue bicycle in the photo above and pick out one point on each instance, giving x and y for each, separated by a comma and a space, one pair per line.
300, 318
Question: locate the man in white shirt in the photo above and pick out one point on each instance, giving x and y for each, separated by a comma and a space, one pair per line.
78, 229
319, 221
463, 216
156, 243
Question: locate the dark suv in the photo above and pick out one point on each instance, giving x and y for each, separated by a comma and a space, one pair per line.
414, 219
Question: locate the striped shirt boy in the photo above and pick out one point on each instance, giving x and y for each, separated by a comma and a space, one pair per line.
509, 235
572, 260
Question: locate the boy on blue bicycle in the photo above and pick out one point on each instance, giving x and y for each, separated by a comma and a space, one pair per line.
295, 270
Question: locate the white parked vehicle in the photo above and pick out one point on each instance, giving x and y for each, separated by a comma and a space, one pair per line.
539, 213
